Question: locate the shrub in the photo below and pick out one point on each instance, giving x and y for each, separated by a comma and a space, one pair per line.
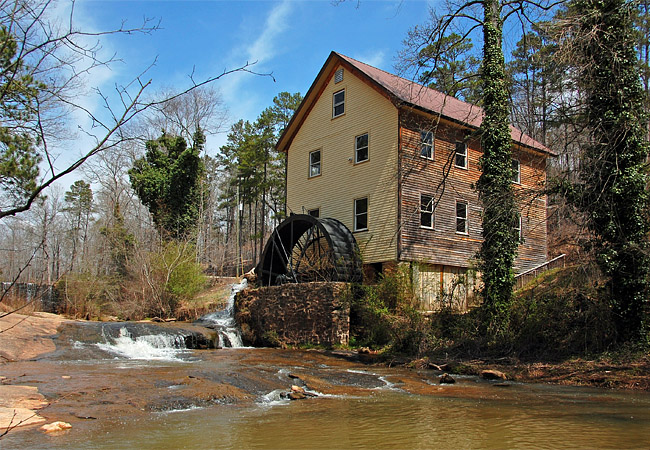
564, 313
169, 277
83, 295
386, 315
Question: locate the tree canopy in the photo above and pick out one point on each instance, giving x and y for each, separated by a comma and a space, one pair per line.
168, 182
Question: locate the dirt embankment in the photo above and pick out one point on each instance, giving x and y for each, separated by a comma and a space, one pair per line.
630, 372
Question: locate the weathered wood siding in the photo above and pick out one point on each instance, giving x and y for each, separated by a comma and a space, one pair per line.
533, 210
439, 287
341, 180
447, 184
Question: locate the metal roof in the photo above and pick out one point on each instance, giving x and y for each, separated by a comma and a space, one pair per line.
402, 92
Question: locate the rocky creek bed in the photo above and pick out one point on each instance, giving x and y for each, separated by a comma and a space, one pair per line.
58, 370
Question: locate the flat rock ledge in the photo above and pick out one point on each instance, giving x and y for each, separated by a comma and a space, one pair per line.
19, 405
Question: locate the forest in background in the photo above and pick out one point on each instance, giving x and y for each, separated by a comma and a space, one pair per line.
99, 239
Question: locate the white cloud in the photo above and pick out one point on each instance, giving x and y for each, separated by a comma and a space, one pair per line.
260, 49
375, 59
264, 47
99, 77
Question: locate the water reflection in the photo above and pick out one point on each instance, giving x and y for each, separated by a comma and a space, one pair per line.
523, 417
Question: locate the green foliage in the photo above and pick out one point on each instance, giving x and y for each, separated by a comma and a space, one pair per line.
186, 278
538, 83
453, 70
173, 276
500, 240
79, 203
19, 158
168, 182
86, 296
612, 191
370, 323
386, 316
571, 299
249, 161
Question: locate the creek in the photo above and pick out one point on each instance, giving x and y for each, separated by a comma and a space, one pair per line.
139, 386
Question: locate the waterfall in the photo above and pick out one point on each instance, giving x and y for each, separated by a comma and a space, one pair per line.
162, 347
224, 321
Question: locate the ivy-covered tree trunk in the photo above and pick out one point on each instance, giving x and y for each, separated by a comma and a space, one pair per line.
500, 240
168, 182
614, 177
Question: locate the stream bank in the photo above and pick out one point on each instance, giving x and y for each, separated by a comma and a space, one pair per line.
102, 392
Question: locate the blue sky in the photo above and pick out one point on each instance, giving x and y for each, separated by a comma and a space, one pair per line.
290, 39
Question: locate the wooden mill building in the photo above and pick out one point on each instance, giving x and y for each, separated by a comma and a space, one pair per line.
397, 163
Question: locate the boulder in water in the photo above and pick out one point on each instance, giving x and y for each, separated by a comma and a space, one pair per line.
297, 396
447, 379
55, 427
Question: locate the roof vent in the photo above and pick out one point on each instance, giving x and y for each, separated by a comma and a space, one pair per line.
338, 76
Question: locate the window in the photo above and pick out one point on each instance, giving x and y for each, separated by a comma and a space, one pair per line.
338, 103
516, 171
426, 211
461, 155
361, 214
461, 217
517, 226
426, 145
314, 212
314, 163
338, 76
361, 148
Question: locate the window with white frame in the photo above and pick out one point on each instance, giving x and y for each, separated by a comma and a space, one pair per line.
460, 159
314, 212
426, 211
314, 163
361, 148
426, 144
361, 214
517, 226
461, 217
338, 103
516, 171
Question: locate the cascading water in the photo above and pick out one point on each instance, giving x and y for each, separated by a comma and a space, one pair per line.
162, 347
224, 321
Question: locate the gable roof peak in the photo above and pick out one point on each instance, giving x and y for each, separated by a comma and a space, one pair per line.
403, 93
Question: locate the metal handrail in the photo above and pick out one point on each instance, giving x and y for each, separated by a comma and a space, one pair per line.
562, 256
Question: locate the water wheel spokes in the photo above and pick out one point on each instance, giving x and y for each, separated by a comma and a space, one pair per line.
304, 248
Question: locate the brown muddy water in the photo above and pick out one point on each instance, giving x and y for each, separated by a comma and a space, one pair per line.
121, 394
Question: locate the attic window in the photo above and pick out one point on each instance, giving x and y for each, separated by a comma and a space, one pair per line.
516, 171
426, 144
338, 76
461, 155
338, 103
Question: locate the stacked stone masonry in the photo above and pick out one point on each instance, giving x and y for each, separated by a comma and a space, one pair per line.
293, 314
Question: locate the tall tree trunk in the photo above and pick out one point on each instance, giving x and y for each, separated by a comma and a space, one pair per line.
499, 247
614, 177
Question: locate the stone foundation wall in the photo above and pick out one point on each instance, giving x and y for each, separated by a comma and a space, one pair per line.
315, 313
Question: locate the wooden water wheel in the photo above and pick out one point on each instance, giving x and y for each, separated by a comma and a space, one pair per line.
305, 248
